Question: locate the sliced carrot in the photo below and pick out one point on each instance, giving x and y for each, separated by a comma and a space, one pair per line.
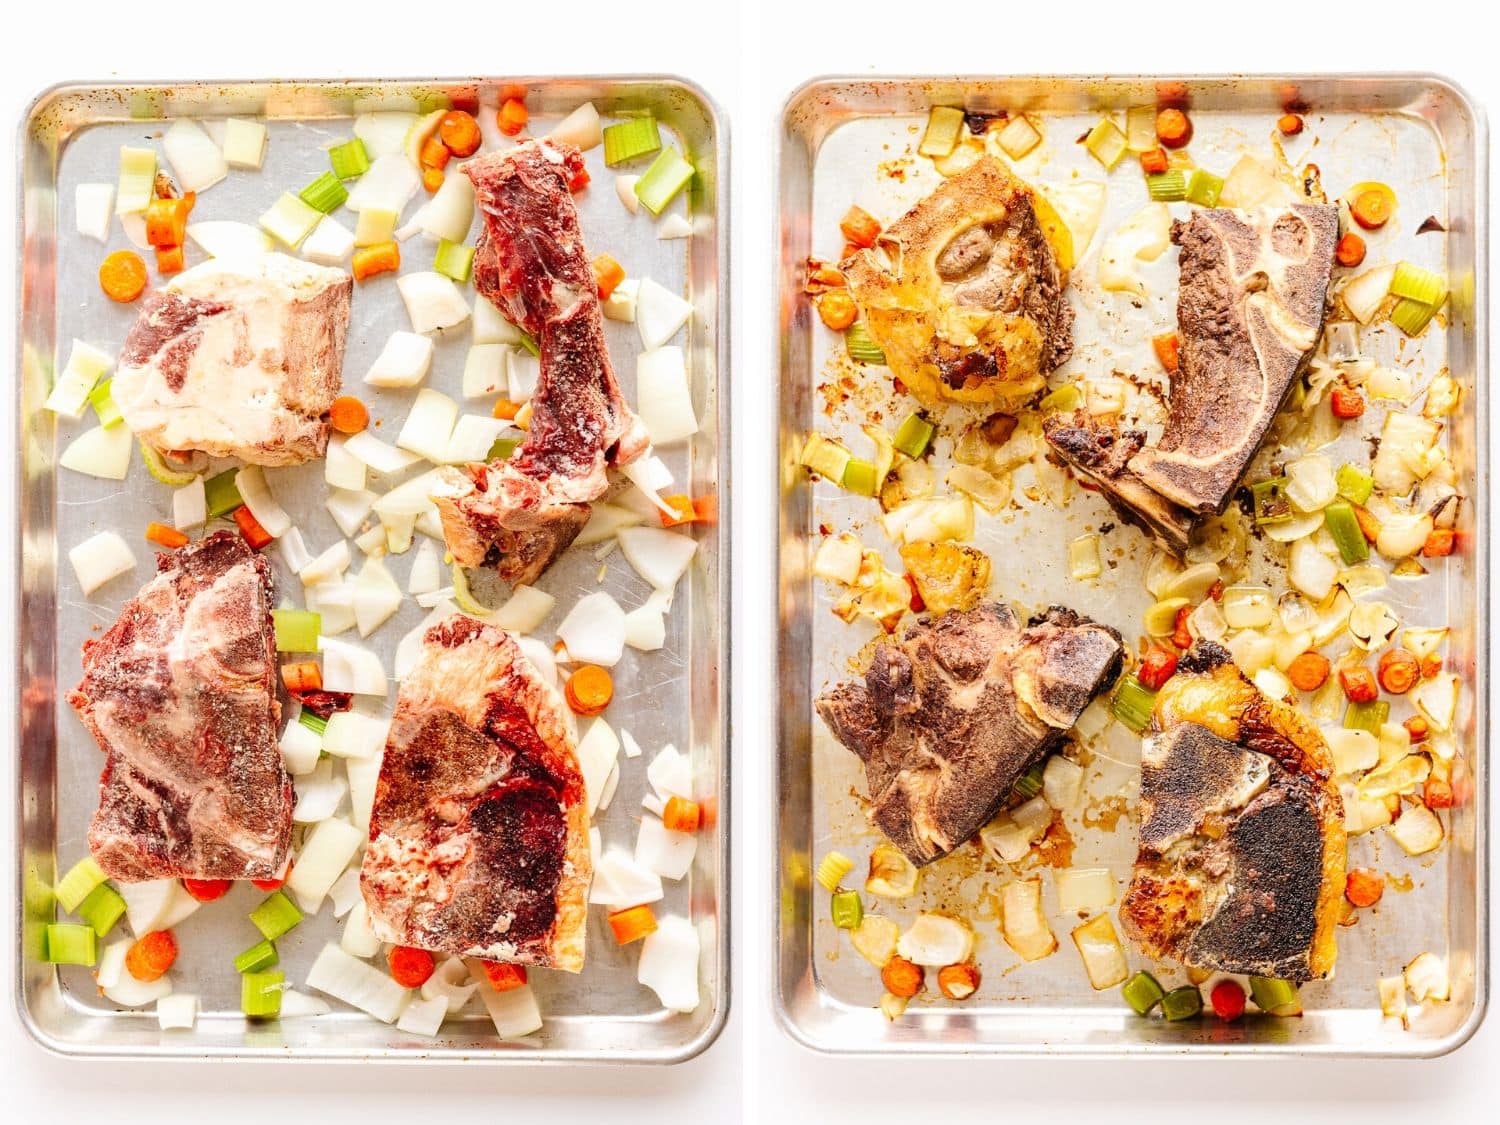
1182, 636
1398, 671
1358, 683
434, 153
410, 967
305, 675
708, 813
589, 689
1173, 129
1418, 728
164, 536
681, 815
836, 309
1290, 124
504, 976
122, 276
507, 410
1165, 346
166, 222
1372, 209
860, 227
206, 890
251, 529
432, 179
272, 884
1350, 251
512, 117
1437, 793
901, 977
1154, 161
1363, 887
383, 257
608, 274
1369, 526
460, 132
150, 957
1439, 543
821, 276
1346, 403
169, 259
1432, 664
348, 415
633, 924
706, 508
1309, 671
682, 511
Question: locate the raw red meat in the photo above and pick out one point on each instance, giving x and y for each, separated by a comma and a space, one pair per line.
531, 263
181, 695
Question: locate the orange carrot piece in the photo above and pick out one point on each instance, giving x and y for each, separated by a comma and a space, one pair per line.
432, 179
1166, 348
608, 274
706, 508
681, 815
150, 957
1346, 403
271, 884
251, 529
434, 153
1358, 683
1350, 251
168, 537
460, 132
504, 976
1173, 129
383, 257
122, 276
1398, 671
1369, 526
305, 675
837, 310
169, 259
206, 890
860, 227
410, 967
1440, 543
682, 511
1309, 671
512, 116
348, 415
1371, 209
1154, 161
166, 222
1437, 793
506, 410
632, 924
901, 977
1363, 887
589, 689
1290, 124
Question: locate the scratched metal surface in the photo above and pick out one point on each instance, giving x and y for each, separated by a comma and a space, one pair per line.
854, 142
672, 696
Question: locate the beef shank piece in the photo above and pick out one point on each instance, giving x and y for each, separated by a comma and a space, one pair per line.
950, 717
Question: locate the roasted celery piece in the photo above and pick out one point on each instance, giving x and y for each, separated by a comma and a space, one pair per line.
945, 125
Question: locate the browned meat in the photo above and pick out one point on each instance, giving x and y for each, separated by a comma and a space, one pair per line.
238, 359
1241, 858
479, 834
1249, 312
964, 292
949, 718
181, 695
531, 263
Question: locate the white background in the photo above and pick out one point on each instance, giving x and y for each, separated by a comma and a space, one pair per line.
749, 59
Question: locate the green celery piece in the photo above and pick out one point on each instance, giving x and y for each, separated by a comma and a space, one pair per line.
859, 477
668, 174
1270, 993
1106, 143
914, 436
275, 916
326, 194
1182, 1003
1269, 501
1167, 187
290, 219
453, 259
1133, 704
315, 723
1412, 317
529, 343
827, 458
260, 994
104, 405
71, 944
260, 956
1344, 527
848, 910
1204, 188
296, 629
78, 883
349, 160
626, 140
1142, 992
862, 346
503, 448
1369, 716
1065, 398
222, 493
1029, 784
1354, 484
102, 909
945, 125
1418, 284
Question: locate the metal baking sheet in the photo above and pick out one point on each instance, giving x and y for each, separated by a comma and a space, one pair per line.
846, 141
677, 695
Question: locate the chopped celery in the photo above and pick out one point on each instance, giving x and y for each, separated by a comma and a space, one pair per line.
659, 184
832, 869
260, 994
1065, 398
78, 883
529, 342
104, 405
1341, 524
1018, 138
1269, 502
1133, 703
1417, 284
137, 186
1367, 716
296, 629
629, 139
859, 477
1106, 143
453, 259
326, 193
1083, 558
1142, 991
848, 910
914, 436
1203, 189
1140, 128
275, 916
102, 909
827, 458
1412, 317
862, 346
260, 956
1354, 484
502, 449
945, 125
1167, 187
1029, 784
71, 944
222, 494
349, 160
290, 220
315, 723
1182, 1003
1270, 994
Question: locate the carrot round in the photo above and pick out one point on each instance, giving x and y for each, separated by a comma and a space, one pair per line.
512, 117
1364, 887
410, 967
633, 924
681, 815
504, 976
1371, 209
901, 977
1398, 671
589, 689
460, 132
506, 410
1309, 671
150, 957
836, 309
1350, 251
122, 276
1290, 124
432, 179
1173, 129
348, 415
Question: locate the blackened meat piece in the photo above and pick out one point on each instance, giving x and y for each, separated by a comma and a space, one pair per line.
181, 695
949, 718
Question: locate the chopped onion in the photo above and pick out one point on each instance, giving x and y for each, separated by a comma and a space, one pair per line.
659, 556
329, 566
671, 773
300, 747
838, 559
1427, 977
223, 238
674, 226
423, 1017
349, 508
646, 626
597, 752
580, 128
605, 522
485, 367
1310, 483
177, 1012
426, 573
156, 904
1062, 782
1310, 570
1437, 699
1103, 955
669, 963
85, 367
388, 185
243, 141
330, 243
128, 992
383, 133
1251, 183
523, 373
525, 609
322, 858
491, 327
659, 314
1417, 830
341, 469
377, 596
355, 734
100, 452
403, 362
594, 630
1372, 625
1084, 890
293, 550
1353, 750
1023, 927
1403, 455
450, 212
621, 304
632, 747
363, 775
472, 437
1391, 383
196, 160
93, 208
346, 978
625, 189
299, 1005
319, 794
347, 667
358, 938
432, 301
936, 940
1403, 534
429, 425
664, 403
1143, 237
450, 983
1392, 997
514, 1012
660, 850
334, 603
256, 493
620, 881
99, 559
1364, 294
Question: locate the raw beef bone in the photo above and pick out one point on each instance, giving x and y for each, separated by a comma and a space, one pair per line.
947, 720
238, 358
530, 262
479, 833
181, 695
